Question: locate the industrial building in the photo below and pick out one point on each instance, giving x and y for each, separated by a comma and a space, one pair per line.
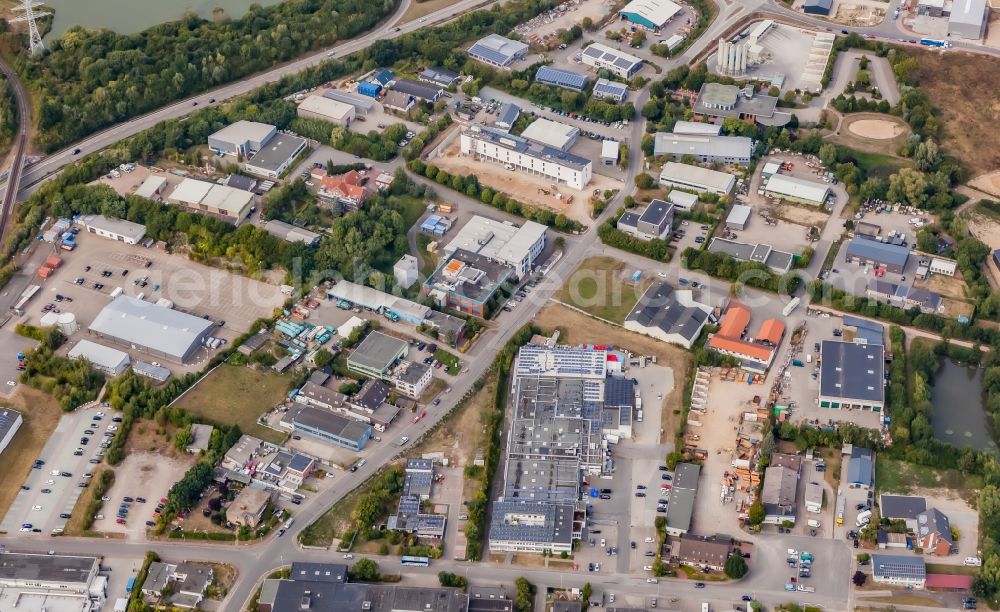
697, 128
113, 229
680, 504
946, 267
150, 328
561, 78
702, 552
755, 355
551, 133
653, 222
229, 204
778, 494
520, 153
329, 427
241, 139
898, 570
276, 156
739, 216
517, 246
817, 7
467, 282
609, 152
439, 76
406, 270
872, 252
610, 90
621, 64
321, 107
905, 296
377, 354
669, 315
102, 358
418, 90
852, 376
726, 149
696, 178
291, 233
10, 422
362, 104
904, 508
51, 582
398, 101
779, 262
507, 116
968, 19
784, 187
722, 101
862, 331
152, 188
498, 51
557, 402
682, 199
650, 14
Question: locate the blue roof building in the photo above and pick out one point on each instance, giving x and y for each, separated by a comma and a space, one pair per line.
861, 468
383, 77
866, 332
369, 89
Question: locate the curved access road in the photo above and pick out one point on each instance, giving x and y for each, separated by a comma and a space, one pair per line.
389, 29
20, 145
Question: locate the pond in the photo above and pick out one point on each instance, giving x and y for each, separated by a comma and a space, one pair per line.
129, 16
959, 418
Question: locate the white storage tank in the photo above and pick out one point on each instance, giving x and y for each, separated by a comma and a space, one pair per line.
67, 323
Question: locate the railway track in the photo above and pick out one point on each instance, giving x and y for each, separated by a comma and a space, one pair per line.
17, 165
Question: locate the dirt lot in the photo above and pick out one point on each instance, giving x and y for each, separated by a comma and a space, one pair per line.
576, 328
872, 132
985, 228
990, 183
876, 129
948, 286
523, 186
546, 25
41, 415
233, 394
803, 216
147, 474
602, 286
968, 107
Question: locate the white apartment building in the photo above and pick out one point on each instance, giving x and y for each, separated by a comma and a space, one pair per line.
518, 153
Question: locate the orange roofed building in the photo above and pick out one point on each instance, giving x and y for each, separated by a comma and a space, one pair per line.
729, 340
348, 189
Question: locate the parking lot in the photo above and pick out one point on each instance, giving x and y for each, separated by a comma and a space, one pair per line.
46, 495
140, 475
853, 497
687, 234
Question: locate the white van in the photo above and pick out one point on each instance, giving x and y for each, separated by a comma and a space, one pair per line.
864, 518
813, 523
973, 561
809, 358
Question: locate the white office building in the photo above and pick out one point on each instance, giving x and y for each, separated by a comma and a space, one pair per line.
516, 246
515, 152
551, 133
113, 229
619, 63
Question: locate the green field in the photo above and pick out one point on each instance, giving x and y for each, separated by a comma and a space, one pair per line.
895, 476
597, 287
236, 394
877, 164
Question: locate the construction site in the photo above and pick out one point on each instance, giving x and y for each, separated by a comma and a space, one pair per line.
542, 31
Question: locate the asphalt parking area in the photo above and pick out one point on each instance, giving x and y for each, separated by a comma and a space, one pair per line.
144, 475
43, 509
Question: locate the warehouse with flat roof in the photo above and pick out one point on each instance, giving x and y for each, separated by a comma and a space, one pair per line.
561, 78
114, 229
794, 189
968, 19
610, 90
150, 328
852, 376
10, 422
727, 149
362, 104
497, 50
515, 245
376, 355
323, 108
102, 358
551, 133
275, 157
696, 178
242, 138
680, 504
291, 233
863, 251
231, 204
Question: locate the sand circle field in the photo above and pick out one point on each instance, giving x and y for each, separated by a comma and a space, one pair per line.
876, 129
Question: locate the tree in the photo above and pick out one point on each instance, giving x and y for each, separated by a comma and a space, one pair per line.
859, 578
588, 23
828, 154
755, 515
736, 567
926, 155
909, 186
448, 579
183, 438
322, 358
586, 591
524, 595
638, 37
644, 181
364, 570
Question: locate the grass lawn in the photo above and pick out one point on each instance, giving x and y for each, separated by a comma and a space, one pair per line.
428, 261
961, 570
991, 212
877, 164
451, 363
894, 476
597, 287
41, 414
237, 394
74, 526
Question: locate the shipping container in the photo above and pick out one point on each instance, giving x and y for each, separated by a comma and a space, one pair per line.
53, 262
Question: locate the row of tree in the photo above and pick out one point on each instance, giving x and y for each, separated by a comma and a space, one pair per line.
748, 273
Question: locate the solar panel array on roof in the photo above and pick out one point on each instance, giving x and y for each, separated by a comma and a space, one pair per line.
610, 89
561, 78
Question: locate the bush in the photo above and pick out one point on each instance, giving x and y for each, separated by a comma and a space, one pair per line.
736, 567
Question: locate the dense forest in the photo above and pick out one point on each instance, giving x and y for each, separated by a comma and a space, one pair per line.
93, 79
8, 116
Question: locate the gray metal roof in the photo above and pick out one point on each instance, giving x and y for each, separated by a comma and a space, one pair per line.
318, 572
158, 373
161, 329
416, 89
969, 12
854, 372
377, 351
9, 419
934, 521
878, 251
680, 506
331, 423
508, 114
901, 506
133, 231
527, 147
738, 147
46, 568
869, 331
290, 233
556, 527
359, 101
780, 485
861, 467
280, 149
656, 212
441, 76
658, 308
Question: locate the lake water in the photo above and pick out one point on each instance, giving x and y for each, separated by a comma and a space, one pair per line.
958, 417
129, 16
